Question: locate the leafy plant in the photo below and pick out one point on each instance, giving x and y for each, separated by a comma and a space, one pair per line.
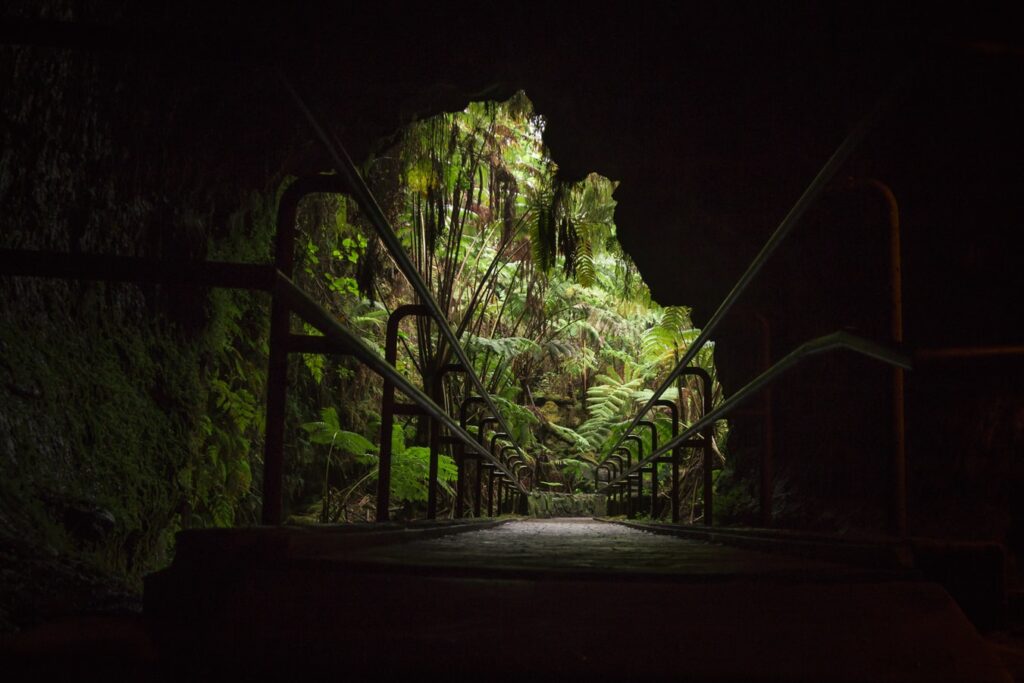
328, 431
410, 469
608, 402
530, 273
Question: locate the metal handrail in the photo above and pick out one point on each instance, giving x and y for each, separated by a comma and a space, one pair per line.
136, 269
364, 197
805, 201
830, 342
314, 314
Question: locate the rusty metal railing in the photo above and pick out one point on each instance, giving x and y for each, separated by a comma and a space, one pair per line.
789, 222
364, 197
344, 340
831, 342
255, 277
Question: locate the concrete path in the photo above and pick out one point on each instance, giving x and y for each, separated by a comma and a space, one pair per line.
583, 546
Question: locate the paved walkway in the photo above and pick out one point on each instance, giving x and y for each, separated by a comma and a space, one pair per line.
582, 545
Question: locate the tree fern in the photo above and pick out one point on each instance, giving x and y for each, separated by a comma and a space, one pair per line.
503, 347
571, 437
608, 401
586, 271
519, 419
671, 333
641, 396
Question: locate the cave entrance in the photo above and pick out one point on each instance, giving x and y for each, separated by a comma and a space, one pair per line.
553, 314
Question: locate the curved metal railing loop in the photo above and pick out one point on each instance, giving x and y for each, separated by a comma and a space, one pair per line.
828, 343
792, 218
368, 203
340, 336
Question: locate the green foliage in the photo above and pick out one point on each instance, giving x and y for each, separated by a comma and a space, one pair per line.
571, 437
527, 267
328, 431
410, 469
504, 348
641, 396
573, 469
520, 420
670, 336
216, 480
608, 402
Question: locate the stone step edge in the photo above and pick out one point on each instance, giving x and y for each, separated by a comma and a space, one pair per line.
278, 544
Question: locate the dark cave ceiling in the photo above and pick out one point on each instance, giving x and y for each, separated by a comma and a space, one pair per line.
713, 116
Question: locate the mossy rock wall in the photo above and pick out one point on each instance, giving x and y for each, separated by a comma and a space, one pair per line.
547, 505
110, 407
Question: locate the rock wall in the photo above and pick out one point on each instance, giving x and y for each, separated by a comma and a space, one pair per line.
104, 387
548, 505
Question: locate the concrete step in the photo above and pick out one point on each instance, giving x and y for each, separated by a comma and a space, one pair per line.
558, 599
973, 572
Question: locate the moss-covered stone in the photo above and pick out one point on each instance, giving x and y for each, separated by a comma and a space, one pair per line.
545, 505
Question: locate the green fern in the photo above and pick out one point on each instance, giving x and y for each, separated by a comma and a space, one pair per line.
504, 347
327, 431
671, 333
586, 271
520, 420
641, 396
571, 437
608, 402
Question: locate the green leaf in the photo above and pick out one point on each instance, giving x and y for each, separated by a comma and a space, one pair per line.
330, 417
397, 440
570, 436
356, 444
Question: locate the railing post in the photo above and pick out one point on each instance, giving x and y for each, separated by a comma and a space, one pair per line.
459, 454
490, 481
434, 443
766, 451
490, 489
387, 408
477, 502
898, 490
767, 426
437, 394
460, 461
676, 453
277, 388
615, 460
277, 362
654, 465
515, 466
628, 484
706, 435
639, 474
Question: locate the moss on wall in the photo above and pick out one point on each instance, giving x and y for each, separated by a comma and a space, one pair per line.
126, 412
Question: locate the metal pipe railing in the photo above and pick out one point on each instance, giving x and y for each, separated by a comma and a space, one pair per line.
674, 460
337, 338
638, 501
654, 466
364, 197
462, 457
830, 342
311, 312
137, 270
791, 219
